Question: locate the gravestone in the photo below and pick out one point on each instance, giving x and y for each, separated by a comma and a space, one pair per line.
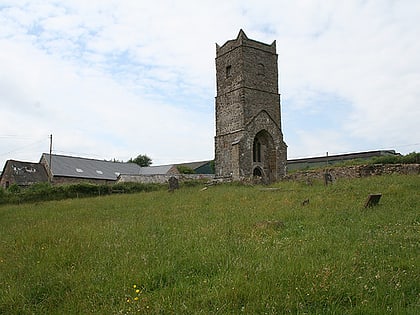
305, 202
328, 179
173, 183
372, 200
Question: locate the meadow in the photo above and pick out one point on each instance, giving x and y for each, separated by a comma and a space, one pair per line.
229, 249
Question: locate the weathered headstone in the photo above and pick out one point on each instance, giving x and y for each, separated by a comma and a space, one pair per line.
372, 200
173, 183
305, 202
328, 179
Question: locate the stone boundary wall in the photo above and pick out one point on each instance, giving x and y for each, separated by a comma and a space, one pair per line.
355, 171
161, 179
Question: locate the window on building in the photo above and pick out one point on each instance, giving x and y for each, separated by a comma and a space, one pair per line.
257, 151
228, 71
261, 69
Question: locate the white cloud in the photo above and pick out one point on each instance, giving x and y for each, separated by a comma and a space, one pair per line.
112, 79
368, 57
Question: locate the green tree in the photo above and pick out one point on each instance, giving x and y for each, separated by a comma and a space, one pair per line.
185, 169
142, 160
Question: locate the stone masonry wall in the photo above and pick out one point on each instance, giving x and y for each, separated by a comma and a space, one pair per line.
229, 112
161, 179
261, 68
247, 89
257, 100
356, 171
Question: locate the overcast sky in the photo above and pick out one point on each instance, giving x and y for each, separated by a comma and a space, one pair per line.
114, 79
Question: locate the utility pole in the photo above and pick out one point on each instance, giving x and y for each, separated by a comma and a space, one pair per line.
50, 175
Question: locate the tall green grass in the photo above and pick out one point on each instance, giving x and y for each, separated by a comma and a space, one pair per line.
45, 191
227, 250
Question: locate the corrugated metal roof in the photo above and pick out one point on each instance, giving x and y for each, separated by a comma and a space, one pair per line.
70, 166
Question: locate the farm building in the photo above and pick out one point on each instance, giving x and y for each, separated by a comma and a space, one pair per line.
201, 167
22, 174
69, 169
62, 169
162, 173
312, 162
159, 170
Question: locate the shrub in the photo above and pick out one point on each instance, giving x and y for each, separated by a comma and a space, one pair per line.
135, 187
14, 189
3, 195
410, 158
185, 169
46, 191
37, 192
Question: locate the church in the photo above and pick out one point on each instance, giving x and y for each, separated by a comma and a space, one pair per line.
249, 140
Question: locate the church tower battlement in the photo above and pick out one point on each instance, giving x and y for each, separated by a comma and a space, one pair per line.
249, 141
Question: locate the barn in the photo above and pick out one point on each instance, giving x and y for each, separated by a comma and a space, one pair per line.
22, 174
64, 169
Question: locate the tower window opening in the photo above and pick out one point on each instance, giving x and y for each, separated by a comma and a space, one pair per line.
257, 151
228, 71
261, 69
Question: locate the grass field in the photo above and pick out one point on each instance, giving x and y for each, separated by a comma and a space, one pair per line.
227, 250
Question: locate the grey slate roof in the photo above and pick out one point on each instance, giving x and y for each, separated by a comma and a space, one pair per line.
69, 166
345, 156
194, 165
156, 170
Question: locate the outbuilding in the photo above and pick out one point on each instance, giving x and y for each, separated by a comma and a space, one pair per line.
70, 169
22, 174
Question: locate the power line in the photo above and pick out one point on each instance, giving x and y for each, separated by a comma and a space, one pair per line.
15, 137
76, 153
23, 147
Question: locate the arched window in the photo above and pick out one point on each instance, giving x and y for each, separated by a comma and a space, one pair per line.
257, 172
257, 151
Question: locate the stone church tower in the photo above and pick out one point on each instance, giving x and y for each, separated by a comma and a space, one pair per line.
249, 141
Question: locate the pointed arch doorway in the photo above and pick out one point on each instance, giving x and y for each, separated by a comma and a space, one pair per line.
264, 156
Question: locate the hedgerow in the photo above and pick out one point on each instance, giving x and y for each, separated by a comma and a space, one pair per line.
46, 191
410, 158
